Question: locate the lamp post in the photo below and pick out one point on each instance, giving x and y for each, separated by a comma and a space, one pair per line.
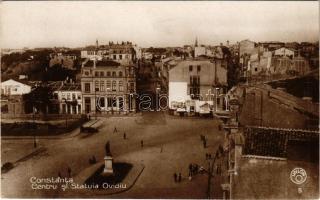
216, 98
65, 101
157, 95
34, 125
95, 103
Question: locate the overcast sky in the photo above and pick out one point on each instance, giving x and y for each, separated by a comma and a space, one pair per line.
76, 24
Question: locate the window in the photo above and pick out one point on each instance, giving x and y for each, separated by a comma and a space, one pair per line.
101, 102
255, 69
198, 68
68, 96
96, 74
63, 96
102, 73
120, 57
97, 86
79, 96
120, 74
109, 85
87, 87
190, 68
102, 86
114, 86
120, 86
86, 73
114, 57
109, 101
108, 74
73, 96
114, 74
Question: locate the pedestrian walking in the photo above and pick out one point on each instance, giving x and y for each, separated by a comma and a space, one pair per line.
115, 130
204, 143
124, 136
141, 143
69, 171
179, 177
175, 176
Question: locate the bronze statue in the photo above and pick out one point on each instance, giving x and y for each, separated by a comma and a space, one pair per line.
107, 147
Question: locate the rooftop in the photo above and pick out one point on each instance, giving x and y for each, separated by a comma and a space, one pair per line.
101, 63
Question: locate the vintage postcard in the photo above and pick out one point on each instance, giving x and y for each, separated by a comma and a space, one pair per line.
160, 99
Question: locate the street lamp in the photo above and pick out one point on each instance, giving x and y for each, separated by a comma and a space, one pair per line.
157, 94
216, 98
34, 126
65, 101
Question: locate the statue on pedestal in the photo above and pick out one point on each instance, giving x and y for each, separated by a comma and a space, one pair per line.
107, 148
108, 161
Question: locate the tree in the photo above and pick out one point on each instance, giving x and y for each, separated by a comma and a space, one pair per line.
39, 98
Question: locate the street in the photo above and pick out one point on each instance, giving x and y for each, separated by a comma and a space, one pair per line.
170, 145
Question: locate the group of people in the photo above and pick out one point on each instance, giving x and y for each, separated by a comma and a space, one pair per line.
193, 170
177, 177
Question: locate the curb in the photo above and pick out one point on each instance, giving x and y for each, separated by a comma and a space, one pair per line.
30, 155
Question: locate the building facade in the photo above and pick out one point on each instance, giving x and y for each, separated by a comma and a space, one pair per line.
12, 87
284, 52
197, 86
108, 86
124, 52
68, 99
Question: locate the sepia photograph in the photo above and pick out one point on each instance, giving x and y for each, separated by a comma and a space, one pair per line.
159, 99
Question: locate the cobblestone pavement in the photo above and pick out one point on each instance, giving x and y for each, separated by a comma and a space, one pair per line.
170, 145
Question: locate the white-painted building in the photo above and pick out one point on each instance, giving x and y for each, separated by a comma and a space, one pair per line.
12, 87
69, 98
200, 51
284, 52
197, 86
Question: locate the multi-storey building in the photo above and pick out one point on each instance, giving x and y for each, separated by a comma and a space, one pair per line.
123, 53
69, 98
198, 85
108, 86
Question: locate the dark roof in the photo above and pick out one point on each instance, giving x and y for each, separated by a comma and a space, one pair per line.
102, 63
61, 86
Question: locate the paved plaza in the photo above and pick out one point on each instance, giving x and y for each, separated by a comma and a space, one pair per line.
170, 145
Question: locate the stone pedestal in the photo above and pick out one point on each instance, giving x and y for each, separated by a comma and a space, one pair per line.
108, 169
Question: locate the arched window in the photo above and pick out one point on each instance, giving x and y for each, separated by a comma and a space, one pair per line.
114, 74
108, 74
120, 74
